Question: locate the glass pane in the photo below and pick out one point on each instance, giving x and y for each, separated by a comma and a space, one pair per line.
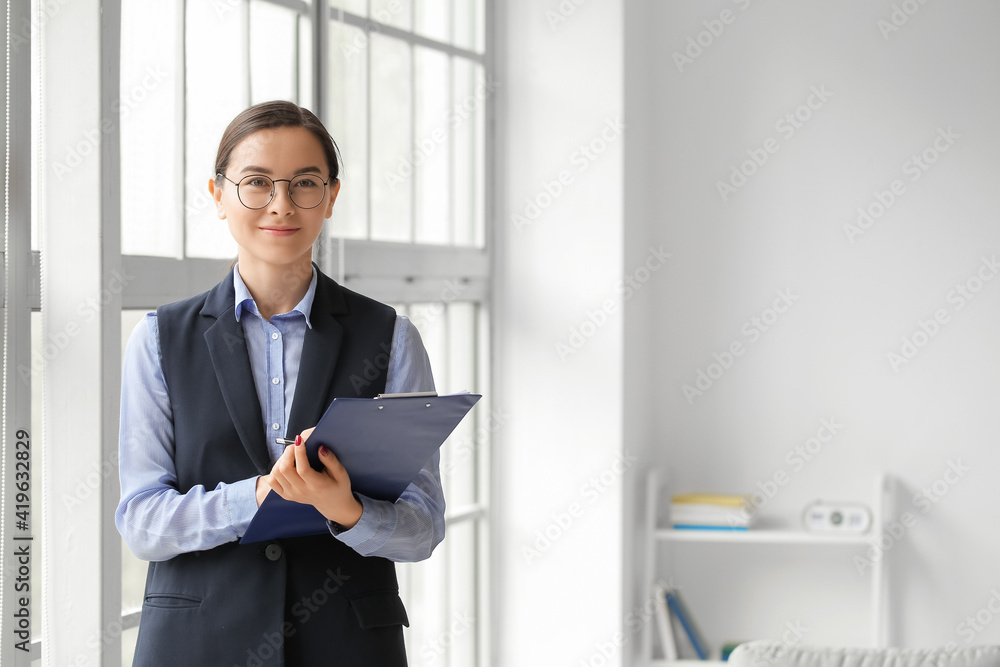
40, 356
432, 18
359, 7
273, 53
459, 453
481, 94
217, 90
391, 140
306, 57
488, 419
397, 13
465, 151
422, 595
347, 121
129, 638
431, 321
133, 569
151, 90
431, 147
480, 25
460, 635
467, 18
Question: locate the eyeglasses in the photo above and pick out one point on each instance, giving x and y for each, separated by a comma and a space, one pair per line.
255, 191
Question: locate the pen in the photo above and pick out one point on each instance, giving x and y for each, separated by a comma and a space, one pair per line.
284, 441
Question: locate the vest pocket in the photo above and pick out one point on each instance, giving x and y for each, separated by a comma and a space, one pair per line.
171, 601
378, 609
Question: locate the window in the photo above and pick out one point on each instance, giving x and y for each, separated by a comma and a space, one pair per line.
408, 93
404, 89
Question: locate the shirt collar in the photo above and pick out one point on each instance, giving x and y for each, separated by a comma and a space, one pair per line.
245, 300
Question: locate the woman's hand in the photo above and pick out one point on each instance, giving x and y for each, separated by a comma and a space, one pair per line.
263, 488
329, 490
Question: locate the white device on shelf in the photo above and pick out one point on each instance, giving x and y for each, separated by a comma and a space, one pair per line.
837, 517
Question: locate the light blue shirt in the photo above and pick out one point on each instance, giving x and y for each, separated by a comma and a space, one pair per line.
157, 522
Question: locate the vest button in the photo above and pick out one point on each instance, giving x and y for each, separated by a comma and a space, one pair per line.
273, 552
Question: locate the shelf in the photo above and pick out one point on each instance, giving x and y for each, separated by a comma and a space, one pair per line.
759, 537
766, 534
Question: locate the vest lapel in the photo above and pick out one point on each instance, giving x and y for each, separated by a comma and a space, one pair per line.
227, 346
320, 351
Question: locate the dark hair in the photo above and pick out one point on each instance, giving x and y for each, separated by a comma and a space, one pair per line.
268, 115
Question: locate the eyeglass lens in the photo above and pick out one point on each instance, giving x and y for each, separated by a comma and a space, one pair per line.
257, 191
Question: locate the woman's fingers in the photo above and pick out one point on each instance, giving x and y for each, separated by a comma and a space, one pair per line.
301, 459
333, 465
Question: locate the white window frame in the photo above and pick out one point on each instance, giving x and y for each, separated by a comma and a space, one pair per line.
18, 278
80, 607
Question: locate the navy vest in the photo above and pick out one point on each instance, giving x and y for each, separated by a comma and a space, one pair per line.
249, 605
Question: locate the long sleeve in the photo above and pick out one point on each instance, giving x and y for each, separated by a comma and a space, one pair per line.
156, 521
409, 529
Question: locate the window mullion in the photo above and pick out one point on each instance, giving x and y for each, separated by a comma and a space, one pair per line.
81, 308
15, 339
418, 171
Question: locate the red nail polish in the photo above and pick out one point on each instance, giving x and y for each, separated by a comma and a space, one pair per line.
323, 450
298, 440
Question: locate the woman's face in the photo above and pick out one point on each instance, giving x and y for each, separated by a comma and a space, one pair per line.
280, 232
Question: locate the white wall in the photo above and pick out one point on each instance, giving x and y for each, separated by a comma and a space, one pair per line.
559, 451
885, 96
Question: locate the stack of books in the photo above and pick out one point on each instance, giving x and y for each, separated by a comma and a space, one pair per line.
711, 511
680, 637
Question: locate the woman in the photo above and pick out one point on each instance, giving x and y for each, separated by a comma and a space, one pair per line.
209, 385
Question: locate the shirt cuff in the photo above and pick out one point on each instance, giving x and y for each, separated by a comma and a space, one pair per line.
376, 520
241, 502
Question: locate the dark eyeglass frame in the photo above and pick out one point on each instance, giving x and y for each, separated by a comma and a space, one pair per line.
273, 181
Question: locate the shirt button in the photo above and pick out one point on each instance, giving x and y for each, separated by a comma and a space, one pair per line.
275, 426
274, 336
273, 552
275, 380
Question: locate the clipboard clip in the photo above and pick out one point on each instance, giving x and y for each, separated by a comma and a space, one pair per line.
411, 394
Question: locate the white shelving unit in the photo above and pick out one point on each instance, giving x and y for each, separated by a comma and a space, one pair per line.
656, 534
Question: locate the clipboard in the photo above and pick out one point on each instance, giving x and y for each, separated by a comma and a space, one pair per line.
382, 442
